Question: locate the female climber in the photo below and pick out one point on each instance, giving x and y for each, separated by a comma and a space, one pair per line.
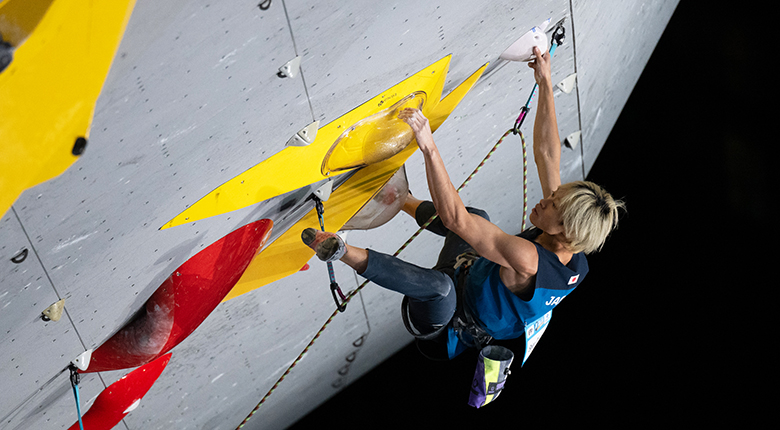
510, 281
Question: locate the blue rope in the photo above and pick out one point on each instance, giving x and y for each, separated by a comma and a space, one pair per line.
74, 381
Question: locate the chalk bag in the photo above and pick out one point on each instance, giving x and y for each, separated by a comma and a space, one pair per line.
490, 376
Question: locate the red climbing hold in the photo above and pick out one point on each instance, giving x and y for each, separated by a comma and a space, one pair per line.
183, 301
121, 397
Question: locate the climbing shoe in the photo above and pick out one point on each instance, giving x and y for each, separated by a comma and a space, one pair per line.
328, 246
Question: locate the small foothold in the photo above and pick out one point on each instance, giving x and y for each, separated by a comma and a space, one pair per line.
290, 69
82, 361
304, 136
323, 192
20, 256
54, 312
309, 132
572, 140
79, 146
567, 85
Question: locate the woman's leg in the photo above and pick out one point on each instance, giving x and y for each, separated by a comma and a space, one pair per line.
356, 258
431, 293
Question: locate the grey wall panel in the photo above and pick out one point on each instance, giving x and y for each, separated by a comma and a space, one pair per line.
33, 352
53, 404
614, 41
350, 53
178, 122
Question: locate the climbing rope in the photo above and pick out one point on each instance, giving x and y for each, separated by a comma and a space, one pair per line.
417, 233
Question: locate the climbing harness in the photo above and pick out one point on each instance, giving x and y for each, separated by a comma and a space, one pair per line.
558, 37
464, 324
334, 286
75, 378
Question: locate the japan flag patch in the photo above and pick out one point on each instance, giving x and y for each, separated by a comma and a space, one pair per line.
574, 279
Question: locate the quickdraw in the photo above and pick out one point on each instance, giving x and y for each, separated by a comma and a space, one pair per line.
335, 290
558, 36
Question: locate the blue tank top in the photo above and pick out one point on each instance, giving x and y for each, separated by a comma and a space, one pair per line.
503, 314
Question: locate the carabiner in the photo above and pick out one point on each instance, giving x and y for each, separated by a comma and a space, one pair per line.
334, 288
519, 121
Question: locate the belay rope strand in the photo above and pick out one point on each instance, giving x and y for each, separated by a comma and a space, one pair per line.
349, 297
557, 36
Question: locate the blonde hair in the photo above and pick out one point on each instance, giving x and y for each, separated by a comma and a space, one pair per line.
589, 215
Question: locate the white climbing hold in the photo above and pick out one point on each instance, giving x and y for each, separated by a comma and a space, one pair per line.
304, 136
291, 68
523, 48
323, 192
568, 84
573, 139
82, 361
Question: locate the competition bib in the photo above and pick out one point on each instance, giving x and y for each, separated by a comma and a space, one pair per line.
534, 332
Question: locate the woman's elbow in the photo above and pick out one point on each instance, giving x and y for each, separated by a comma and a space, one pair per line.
455, 222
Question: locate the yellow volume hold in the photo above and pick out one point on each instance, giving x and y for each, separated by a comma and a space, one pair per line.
56, 54
295, 167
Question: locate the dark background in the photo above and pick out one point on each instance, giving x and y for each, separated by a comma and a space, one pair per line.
667, 329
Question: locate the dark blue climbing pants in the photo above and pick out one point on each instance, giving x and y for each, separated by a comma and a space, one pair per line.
431, 292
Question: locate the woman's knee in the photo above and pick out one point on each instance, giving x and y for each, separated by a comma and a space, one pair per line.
406, 278
437, 286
